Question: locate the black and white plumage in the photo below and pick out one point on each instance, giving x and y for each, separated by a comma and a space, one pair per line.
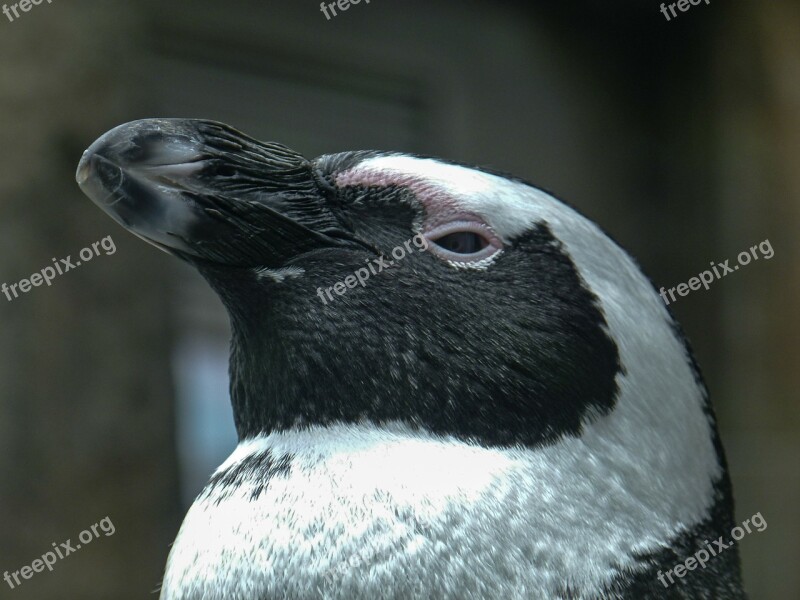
521, 421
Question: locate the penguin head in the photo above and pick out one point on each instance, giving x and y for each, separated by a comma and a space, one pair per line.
370, 286
384, 287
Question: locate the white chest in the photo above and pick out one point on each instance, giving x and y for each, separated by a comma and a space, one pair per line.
359, 513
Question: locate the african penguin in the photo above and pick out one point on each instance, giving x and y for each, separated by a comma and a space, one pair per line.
510, 412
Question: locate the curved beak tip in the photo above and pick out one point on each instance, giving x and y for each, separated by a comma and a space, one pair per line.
84, 168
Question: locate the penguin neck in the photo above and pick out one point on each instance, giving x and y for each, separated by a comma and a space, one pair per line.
260, 386
276, 386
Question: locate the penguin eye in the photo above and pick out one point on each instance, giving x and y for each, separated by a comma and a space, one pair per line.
463, 241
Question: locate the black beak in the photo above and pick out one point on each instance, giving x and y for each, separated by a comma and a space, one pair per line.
208, 193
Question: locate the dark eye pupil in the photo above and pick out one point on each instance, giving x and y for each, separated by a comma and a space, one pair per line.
463, 242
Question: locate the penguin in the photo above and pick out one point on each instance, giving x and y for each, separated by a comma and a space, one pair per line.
504, 409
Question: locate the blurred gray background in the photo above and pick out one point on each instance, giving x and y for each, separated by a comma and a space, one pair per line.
680, 138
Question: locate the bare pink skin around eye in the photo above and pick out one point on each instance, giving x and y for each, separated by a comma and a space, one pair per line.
440, 207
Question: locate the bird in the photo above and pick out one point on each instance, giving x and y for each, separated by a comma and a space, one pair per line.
446, 382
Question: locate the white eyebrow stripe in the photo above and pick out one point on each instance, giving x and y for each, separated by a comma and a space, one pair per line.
509, 207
